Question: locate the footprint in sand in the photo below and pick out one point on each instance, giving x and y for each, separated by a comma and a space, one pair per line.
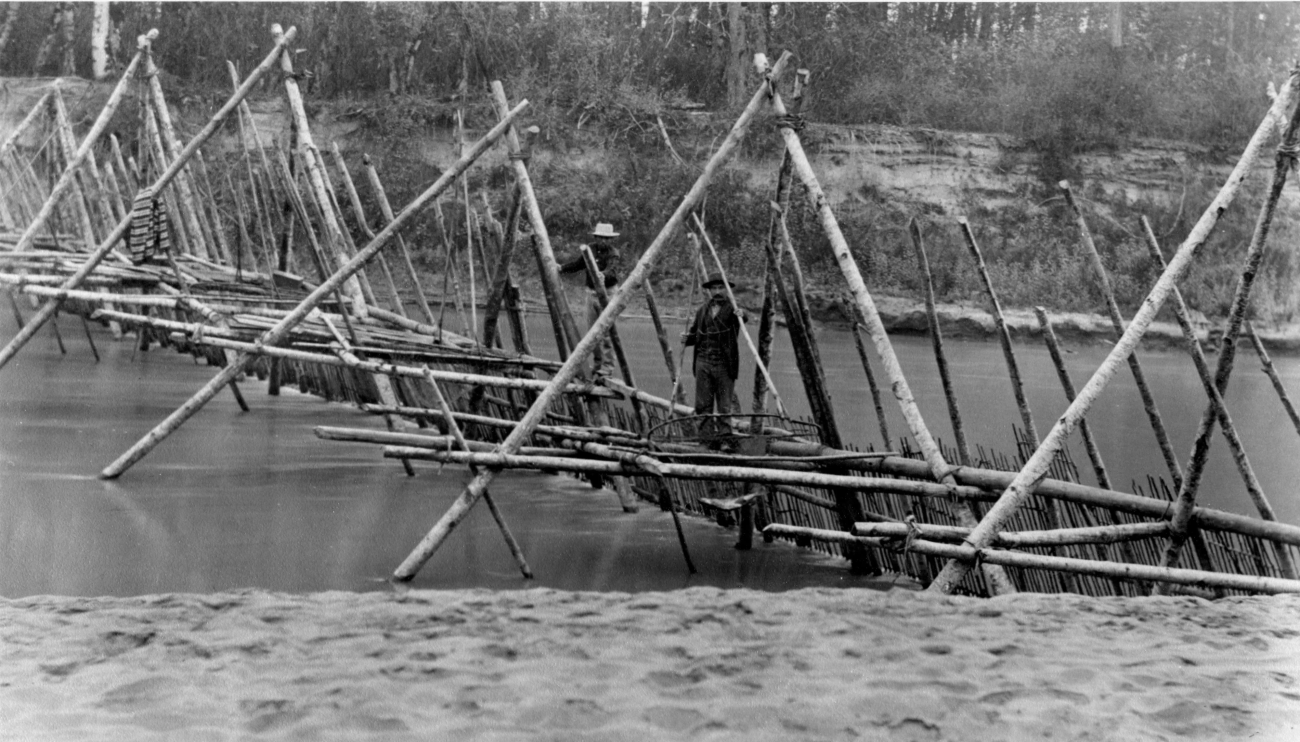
574, 714
674, 718
139, 694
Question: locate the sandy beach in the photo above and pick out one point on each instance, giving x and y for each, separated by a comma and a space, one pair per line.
700, 663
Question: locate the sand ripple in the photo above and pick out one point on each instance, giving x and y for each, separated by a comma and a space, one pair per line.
695, 664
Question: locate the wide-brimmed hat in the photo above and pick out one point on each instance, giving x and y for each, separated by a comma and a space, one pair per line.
716, 279
604, 229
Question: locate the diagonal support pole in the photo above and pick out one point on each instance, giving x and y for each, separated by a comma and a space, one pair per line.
875, 327
281, 330
595, 334
735, 307
47, 310
454, 429
1035, 469
1181, 527
1117, 322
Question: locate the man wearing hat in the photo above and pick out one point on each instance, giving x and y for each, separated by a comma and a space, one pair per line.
717, 359
606, 253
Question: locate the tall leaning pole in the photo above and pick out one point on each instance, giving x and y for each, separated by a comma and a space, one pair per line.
1035, 469
47, 310
618, 301
281, 330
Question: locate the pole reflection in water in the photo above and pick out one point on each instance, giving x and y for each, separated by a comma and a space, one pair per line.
256, 500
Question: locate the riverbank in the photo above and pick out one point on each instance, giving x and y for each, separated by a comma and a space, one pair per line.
968, 321
691, 664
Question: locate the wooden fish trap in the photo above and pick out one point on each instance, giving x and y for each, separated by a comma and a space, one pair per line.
267, 279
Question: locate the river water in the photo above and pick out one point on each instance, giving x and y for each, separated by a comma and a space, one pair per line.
256, 500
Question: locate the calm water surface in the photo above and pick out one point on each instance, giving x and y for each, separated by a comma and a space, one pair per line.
255, 500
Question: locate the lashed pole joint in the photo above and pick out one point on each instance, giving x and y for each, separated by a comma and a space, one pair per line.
281, 330
49, 308
427, 546
1035, 469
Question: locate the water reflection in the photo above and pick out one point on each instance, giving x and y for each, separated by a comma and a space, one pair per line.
254, 499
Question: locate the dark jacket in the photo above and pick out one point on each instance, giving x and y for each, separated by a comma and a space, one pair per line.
607, 260
724, 328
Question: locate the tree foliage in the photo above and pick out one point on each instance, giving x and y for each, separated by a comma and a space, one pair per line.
1064, 78
1045, 70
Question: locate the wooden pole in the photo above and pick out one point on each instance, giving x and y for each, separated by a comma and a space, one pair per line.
187, 242
1062, 373
47, 310
107, 213
1117, 322
1024, 482
185, 190
284, 326
349, 246
735, 307
128, 178
497, 460
998, 580
294, 199
216, 339
602, 296
799, 323
213, 212
306, 146
661, 333
1220, 409
972, 481
1004, 334
386, 210
11, 141
771, 282
766, 335
425, 549
871, 379
454, 428
65, 143
501, 276
1227, 355
1053, 510
1147, 507
550, 269
469, 232
1089, 444
68, 176
940, 469
1267, 364
1199, 547
857, 286
696, 280
359, 214
1080, 536
1139, 572
936, 340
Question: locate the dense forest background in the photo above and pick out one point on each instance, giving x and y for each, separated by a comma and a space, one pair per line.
1063, 78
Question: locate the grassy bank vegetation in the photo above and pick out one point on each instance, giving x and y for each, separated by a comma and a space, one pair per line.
1062, 79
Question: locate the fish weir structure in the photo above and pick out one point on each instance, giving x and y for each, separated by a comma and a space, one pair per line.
264, 271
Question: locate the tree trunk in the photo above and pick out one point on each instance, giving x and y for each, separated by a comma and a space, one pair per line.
8, 27
1117, 26
737, 53
99, 40
47, 44
68, 66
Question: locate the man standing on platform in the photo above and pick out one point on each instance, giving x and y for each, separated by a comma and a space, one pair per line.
717, 358
606, 253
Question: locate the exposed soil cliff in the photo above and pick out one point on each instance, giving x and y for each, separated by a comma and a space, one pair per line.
918, 171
